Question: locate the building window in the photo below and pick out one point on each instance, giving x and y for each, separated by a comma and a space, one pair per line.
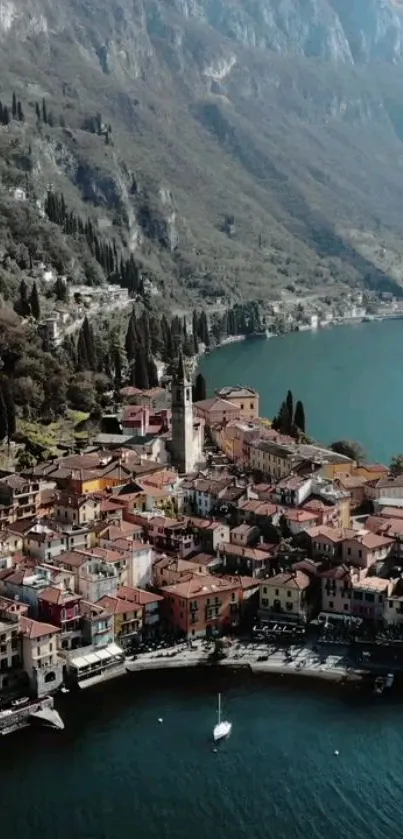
288, 594
330, 604
265, 590
348, 551
289, 607
241, 406
345, 607
360, 554
265, 602
251, 406
276, 592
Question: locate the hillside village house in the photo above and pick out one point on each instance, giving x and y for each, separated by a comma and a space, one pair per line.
364, 549
246, 399
22, 495
61, 608
384, 488
272, 459
368, 597
77, 509
286, 595
237, 559
216, 411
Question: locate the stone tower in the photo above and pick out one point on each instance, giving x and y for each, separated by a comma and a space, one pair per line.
182, 420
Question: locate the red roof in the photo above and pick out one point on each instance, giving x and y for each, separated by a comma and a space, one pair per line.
36, 629
138, 595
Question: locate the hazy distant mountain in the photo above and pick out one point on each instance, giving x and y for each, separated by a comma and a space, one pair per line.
253, 143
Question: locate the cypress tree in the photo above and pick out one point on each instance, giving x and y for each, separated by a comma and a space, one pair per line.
140, 369
3, 418
299, 418
82, 356
199, 391
117, 363
131, 340
90, 344
6, 115
20, 114
37, 112
34, 302
284, 419
22, 305
44, 111
152, 370
14, 106
290, 404
8, 399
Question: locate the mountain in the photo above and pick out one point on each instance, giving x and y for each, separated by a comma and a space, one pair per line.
234, 147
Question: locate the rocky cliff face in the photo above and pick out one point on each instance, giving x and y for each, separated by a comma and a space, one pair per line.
285, 114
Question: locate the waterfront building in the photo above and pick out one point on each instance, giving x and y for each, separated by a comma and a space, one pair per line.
393, 606
127, 619
61, 608
203, 605
390, 488
336, 590
151, 607
368, 597
187, 432
93, 665
11, 673
246, 399
40, 656
288, 595
97, 626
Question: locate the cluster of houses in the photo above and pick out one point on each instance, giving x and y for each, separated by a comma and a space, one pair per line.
104, 550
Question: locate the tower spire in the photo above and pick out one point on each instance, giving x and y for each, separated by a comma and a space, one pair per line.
180, 373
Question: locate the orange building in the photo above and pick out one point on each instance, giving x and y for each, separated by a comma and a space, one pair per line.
203, 605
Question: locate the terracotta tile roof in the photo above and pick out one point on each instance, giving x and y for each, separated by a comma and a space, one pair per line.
215, 403
138, 595
340, 572
36, 629
71, 559
238, 550
302, 516
57, 595
288, 579
202, 584
117, 606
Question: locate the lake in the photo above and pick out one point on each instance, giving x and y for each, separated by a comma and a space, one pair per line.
350, 379
116, 772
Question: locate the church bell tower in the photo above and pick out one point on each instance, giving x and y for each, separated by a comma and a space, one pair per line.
182, 420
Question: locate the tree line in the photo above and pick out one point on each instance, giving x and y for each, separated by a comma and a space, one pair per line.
118, 269
290, 420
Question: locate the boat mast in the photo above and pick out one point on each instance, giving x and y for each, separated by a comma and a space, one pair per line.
219, 708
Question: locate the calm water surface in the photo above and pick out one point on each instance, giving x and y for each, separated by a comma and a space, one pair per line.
115, 772
350, 379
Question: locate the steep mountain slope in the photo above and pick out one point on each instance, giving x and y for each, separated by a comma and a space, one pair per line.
234, 146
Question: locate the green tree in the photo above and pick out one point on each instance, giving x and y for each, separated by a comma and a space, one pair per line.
140, 369
396, 465
8, 399
299, 417
349, 448
199, 391
34, 302
152, 370
290, 403
283, 421
60, 290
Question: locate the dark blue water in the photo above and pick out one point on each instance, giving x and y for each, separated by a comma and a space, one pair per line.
116, 772
350, 379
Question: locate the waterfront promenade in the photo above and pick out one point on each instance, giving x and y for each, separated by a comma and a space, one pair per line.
258, 658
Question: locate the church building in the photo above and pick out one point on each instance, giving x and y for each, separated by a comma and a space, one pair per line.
187, 430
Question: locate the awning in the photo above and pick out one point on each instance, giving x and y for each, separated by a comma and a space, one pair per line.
79, 662
103, 654
113, 649
92, 658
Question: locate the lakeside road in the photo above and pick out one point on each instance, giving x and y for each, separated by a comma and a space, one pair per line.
297, 660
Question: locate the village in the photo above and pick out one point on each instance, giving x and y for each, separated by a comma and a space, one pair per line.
195, 521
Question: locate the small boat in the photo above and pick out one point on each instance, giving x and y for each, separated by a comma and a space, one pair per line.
223, 727
379, 685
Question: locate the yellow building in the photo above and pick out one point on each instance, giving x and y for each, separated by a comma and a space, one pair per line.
274, 460
286, 594
127, 619
245, 398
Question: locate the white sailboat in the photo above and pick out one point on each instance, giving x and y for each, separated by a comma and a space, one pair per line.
223, 727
